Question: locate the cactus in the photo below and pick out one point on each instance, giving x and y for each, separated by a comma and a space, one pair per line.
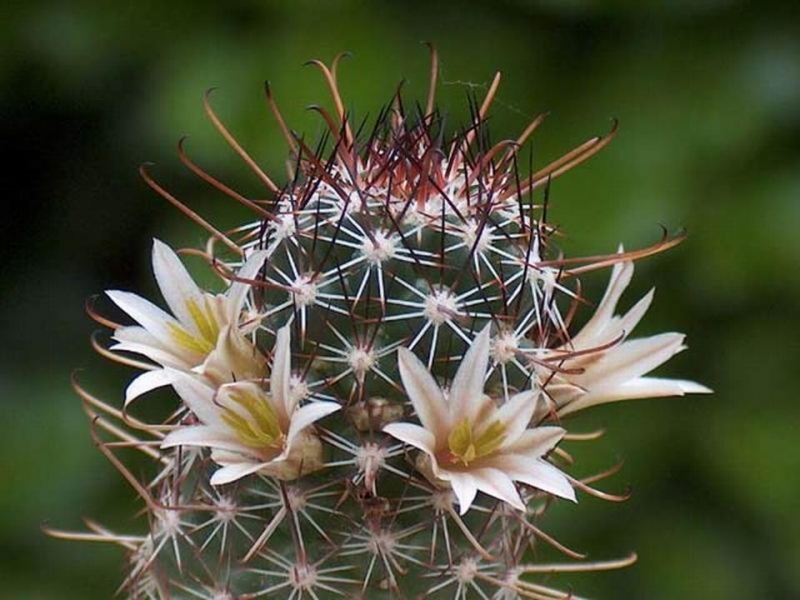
374, 405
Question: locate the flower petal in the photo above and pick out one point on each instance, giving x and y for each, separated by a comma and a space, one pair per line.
537, 473
198, 396
424, 393
308, 414
138, 340
147, 314
630, 360
281, 374
588, 336
641, 387
203, 436
147, 381
237, 293
627, 323
466, 392
499, 484
135, 335
232, 472
464, 487
537, 441
515, 415
413, 435
175, 283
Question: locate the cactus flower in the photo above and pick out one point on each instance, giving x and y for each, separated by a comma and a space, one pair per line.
600, 364
250, 430
470, 443
202, 323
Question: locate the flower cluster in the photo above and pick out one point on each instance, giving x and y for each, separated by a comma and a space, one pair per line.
374, 405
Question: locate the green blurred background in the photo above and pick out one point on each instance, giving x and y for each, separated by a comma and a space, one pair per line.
708, 98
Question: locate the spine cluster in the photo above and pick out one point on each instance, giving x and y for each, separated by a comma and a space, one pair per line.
374, 403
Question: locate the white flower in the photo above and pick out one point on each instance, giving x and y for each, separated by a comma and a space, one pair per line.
471, 444
601, 365
249, 430
204, 327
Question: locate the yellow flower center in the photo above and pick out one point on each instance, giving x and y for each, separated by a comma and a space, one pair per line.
465, 448
258, 428
207, 326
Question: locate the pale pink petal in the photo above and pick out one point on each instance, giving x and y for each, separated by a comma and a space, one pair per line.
630, 360
198, 396
281, 374
226, 397
155, 352
631, 319
229, 457
237, 293
621, 276
516, 415
642, 387
147, 381
308, 414
558, 393
536, 473
175, 283
466, 391
135, 334
424, 393
498, 484
138, 340
413, 435
147, 314
536, 442
464, 487
205, 437
233, 472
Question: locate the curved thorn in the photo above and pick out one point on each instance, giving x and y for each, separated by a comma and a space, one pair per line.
117, 358
97, 317
582, 437
332, 125
126, 541
333, 87
188, 211
533, 126
568, 161
91, 400
606, 565
597, 493
433, 78
468, 534
539, 534
279, 117
235, 145
336, 60
214, 182
123, 470
606, 260
126, 440
604, 474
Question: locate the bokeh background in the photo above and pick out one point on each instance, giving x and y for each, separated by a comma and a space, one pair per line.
708, 98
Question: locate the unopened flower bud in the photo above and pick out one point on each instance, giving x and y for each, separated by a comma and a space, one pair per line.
374, 413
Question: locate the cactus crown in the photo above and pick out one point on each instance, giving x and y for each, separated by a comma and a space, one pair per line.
373, 405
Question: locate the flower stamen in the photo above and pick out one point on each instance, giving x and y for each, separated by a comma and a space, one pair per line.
465, 448
261, 430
